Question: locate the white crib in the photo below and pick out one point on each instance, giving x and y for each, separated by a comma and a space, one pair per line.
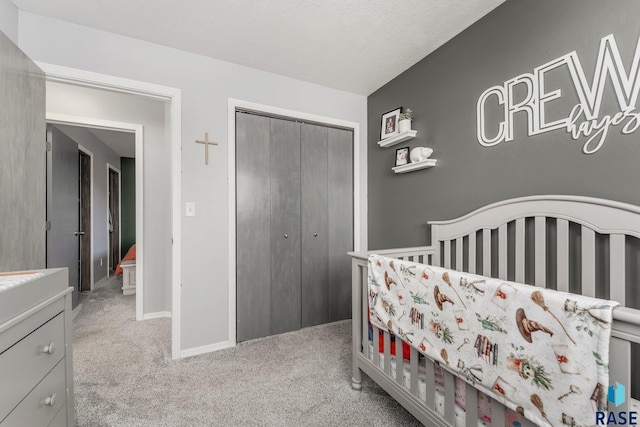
574, 244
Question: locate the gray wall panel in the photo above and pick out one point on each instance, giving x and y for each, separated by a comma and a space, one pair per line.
340, 222
22, 163
252, 226
285, 221
443, 89
315, 239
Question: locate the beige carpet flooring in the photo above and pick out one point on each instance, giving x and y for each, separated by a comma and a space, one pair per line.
124, 375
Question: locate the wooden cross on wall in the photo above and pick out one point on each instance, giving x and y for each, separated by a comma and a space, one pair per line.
206, 143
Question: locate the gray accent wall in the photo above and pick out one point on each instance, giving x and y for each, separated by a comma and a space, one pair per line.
22, 160
443, 89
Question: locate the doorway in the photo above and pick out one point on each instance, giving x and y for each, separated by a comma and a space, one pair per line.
71, 112
113, 196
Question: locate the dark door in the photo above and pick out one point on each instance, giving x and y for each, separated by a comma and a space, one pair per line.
85, 221
63, 206
315, 210
114, 219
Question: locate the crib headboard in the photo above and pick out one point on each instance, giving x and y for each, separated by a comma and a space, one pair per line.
570, 243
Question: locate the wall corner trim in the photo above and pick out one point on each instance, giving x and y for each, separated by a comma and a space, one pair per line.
195, 351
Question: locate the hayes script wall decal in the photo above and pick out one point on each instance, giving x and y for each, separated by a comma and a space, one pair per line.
584, 120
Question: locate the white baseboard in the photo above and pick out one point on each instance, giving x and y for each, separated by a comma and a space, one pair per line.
205, 349
156, 315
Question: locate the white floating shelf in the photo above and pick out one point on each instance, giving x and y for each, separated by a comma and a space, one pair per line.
398, 138
409, 167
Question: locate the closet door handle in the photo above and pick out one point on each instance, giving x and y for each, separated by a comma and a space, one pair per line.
315, 234
286, 236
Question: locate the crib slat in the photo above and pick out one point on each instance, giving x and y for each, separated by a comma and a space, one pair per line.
620, 368
449, 398
588, 262
472, 253
617, 268
430, 380
447, 254
497, 413
459, 256
519, 250
540, 232
387, 353
486, 252
471, 406
365, 315
563, 255
399, 362
376, 346
413, 368
502, 252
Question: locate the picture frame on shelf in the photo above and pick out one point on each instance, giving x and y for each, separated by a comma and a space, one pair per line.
402, 156
390, 123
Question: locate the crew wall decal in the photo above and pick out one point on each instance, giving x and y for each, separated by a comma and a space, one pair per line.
585, 120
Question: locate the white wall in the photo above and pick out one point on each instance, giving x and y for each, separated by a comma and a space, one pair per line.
9, 20
119, 107
206, 86
101, 155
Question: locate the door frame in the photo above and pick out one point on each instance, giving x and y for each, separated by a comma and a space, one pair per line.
233, 106
173, 96
137, 129
90, 154
110, 168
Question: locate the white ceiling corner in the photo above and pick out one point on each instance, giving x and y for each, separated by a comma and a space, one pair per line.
352, 45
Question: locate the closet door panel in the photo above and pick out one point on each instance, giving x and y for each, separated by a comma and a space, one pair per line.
314, 166
285, 226
340, 207
253, 240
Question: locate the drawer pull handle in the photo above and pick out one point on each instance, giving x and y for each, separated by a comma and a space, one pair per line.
49, 349
51, 400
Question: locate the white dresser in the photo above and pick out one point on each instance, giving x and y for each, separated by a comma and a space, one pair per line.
36, 370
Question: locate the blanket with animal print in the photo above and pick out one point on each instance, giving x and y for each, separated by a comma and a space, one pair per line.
540, 352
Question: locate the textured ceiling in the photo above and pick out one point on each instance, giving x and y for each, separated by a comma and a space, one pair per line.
352, 45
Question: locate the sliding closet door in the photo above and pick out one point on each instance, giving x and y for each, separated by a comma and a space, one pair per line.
340, 220
315, 239
285, 226
253, 228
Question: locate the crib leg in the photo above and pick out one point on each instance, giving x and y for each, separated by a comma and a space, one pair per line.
356, 381
358, 298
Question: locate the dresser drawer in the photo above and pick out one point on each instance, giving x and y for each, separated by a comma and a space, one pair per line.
43, 403
23, 365
60, 419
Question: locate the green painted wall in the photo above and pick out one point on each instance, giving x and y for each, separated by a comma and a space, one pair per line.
128, 226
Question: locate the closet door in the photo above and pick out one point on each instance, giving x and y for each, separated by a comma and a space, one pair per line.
285, 226
253, 228
340, 220
315, 239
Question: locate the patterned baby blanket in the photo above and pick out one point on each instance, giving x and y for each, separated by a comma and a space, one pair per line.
540, 352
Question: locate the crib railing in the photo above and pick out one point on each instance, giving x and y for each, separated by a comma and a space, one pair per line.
380, 367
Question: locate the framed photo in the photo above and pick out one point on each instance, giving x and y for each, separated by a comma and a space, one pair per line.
390, 123
402, 156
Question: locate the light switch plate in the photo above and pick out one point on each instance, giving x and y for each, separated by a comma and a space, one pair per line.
190, 209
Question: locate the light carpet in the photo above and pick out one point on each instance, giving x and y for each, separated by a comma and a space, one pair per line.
124, 375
